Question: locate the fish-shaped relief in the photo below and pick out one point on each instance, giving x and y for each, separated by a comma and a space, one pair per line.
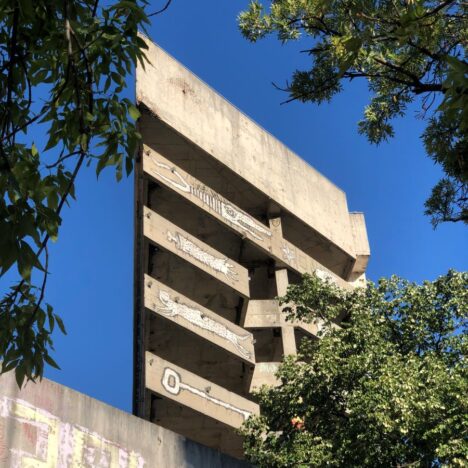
197, 318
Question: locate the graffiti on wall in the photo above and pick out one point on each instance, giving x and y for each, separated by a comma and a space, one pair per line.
221, 265
212, 200
172, 383
288, 254
59, 444
194, 316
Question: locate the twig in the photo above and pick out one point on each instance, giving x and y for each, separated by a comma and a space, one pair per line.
166, 6
61, 159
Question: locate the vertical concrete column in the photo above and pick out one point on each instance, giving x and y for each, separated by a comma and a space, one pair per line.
140, 396
281, 276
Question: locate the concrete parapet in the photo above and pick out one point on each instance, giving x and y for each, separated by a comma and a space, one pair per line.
49, 425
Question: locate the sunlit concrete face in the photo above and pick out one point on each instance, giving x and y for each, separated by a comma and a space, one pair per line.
47, 425
226, 218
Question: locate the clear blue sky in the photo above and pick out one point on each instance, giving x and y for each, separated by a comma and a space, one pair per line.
91, 281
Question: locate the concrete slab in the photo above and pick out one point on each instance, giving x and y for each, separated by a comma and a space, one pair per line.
170, 237
270, 241
179, 309
188, 389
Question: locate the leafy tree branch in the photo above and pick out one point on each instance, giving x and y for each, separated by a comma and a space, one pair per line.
409, 52
62, 69
385, 388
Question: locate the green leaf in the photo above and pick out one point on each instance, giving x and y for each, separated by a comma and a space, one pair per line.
20, 375
27, 259
60, 324
134, 112
50, 361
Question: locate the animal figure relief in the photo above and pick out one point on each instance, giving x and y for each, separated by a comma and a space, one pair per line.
172, 383
220, 265
214, 201
241, 220
195, 317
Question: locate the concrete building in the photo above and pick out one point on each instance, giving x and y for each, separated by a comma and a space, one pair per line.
226, 218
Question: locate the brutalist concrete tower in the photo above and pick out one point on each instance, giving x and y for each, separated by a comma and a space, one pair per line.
226, 218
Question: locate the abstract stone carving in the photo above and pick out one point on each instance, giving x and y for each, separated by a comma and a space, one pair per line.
220, 265
211, 199
172, 383
288, 254
198, 319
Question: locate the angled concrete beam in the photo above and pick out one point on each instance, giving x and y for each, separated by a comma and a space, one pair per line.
266, 313
361, 244
170, 237
188, 389
179, 309
264, 374
268, 240
262, 313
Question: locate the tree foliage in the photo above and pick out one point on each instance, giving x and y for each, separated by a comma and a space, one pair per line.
63, 66
387, 388
409, 51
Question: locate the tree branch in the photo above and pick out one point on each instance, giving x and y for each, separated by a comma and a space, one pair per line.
166, 6
44, 283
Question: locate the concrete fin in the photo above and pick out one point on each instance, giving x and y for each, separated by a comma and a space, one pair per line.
174, 239
268, 240
188, 389
179, 309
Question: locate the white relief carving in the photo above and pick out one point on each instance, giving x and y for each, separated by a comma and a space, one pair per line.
240, 219
220, 265
267, 367
172, 383
325, 275
196, 318
229, 212
288, 254
63, 445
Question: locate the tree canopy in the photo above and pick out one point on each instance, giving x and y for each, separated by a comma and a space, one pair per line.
386, 388
410, 52
63, 66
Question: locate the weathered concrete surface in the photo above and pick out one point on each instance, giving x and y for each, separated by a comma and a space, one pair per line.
361, 244
189, 106
188, 389
197, 319
226, 218
47, 425
176, 240
270, 240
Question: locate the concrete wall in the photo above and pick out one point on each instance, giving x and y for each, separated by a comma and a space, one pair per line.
49, 425
185, 103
